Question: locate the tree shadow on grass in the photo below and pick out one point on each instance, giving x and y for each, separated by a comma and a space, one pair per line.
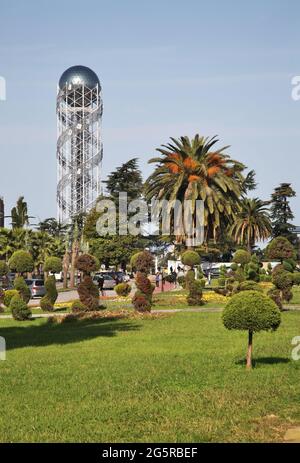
47, 334
264, 361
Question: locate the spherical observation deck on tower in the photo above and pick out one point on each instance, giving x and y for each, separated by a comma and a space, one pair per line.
79, 75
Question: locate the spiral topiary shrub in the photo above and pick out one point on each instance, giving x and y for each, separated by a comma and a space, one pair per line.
195, 293
77, 307
8, 295
251, 311
123, 289
88, 292
141, 303
48, 301
23, 289
142, 300
19, 308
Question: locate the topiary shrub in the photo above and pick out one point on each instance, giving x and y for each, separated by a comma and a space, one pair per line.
275, 295
234, 267
77, 307
241, 257
249, 285
86, 263
251, 311
142, 300
21, 262
181, 281
19, 309
195, 293
123, 289
280, 248
46, 304
190, 258
53, 265
48, 301
8, 295
296, 278
88, 292
141, 303
3, 268
23, 289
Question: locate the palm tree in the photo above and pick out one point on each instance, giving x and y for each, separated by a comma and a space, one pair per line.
194, 169
19, 214
252, 223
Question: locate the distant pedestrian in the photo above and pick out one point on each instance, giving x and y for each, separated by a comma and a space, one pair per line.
157, 279
101, 284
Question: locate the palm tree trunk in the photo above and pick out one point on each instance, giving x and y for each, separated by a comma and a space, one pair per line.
75, 248
66, 262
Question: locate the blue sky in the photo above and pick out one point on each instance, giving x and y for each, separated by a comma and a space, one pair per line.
167, 68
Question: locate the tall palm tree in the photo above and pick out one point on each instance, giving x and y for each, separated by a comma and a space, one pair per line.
195, 169
252, 223
19, 214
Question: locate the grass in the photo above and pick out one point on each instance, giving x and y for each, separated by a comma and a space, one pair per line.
175, 379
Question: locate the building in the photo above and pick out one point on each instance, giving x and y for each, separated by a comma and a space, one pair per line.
79, 145
1, 212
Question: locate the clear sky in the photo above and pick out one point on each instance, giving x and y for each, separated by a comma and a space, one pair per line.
167, 68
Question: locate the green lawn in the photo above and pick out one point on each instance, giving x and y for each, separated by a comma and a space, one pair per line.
174, 379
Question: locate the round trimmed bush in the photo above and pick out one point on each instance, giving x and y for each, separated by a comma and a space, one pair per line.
249, 285
190, 258
143, 262
21, 262
8, 295
241, 257
23, 289
123, 289
53, 265
86, 263
282, 279
19, 309
251, 311
280, 248
234, 266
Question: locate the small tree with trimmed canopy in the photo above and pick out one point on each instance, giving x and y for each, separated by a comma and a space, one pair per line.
252, 311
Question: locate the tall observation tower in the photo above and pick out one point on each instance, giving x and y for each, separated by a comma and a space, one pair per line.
79, 145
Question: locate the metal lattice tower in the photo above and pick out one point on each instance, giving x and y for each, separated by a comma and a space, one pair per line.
79, 145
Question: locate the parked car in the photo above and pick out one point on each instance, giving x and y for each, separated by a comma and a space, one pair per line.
37, 287
109, 281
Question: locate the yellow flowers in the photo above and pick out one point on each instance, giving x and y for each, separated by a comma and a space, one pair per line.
214, 297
